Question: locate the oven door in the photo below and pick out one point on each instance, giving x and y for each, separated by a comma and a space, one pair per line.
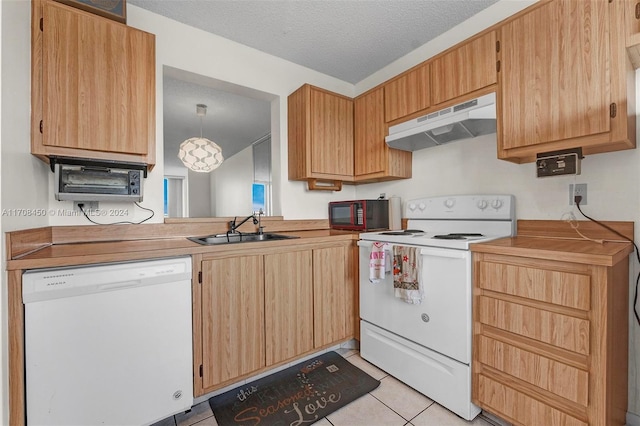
442, 322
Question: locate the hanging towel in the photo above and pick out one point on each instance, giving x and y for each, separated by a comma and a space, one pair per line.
377, 262
407, 282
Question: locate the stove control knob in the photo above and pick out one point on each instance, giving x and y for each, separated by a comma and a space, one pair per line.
412, 206
482, 204
496, 204
449, 202
422, 206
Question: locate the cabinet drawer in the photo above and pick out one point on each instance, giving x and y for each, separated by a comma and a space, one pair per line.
563, 380
556, 329
519, 407
560, 288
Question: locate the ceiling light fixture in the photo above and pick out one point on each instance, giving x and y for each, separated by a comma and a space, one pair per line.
200, 154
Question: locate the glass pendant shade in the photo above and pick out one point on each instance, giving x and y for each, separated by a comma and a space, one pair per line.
200, 154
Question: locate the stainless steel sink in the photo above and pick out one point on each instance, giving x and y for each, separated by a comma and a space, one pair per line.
239, 238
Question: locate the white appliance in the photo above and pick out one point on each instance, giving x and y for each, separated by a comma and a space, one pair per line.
469, 119
428, 345
108, 344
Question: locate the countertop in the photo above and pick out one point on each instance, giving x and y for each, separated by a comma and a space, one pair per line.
83, 253
558, 248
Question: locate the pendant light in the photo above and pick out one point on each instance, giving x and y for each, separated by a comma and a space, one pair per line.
200, 154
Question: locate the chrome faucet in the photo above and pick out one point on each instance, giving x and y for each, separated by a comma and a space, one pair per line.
256, 221
233, 227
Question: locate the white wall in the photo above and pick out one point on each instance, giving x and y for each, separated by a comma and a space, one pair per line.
199, 194
231, 185
24, 178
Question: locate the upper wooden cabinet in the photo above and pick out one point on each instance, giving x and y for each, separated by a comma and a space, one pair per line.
93, 86
465, 69
320, 135
407, 93
632, 13
374, 160
565, 81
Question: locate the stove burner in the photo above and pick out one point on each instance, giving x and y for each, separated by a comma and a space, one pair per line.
457, 236
404, 232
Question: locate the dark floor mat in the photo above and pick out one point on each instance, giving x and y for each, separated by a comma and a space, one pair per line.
301, 394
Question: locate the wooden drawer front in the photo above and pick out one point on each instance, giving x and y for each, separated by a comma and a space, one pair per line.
563, 380
519, 407
556, 329
560, 288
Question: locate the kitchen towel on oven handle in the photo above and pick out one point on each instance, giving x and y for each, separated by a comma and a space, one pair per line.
379, 262
407, 274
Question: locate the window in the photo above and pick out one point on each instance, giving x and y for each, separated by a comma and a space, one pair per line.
174, 200
261, 190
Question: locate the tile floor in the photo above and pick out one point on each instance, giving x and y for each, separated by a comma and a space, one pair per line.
391, 404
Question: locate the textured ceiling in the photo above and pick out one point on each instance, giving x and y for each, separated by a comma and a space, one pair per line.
346, 39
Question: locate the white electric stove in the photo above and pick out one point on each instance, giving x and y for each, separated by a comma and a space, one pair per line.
428, 345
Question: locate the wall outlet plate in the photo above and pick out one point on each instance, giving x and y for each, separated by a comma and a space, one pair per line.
86, 205
578, 189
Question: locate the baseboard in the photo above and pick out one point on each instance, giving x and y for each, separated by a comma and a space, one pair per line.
493, 420
633, 419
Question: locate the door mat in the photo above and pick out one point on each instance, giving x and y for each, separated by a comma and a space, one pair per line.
301, 394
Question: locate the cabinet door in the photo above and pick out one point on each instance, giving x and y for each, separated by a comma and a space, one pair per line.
288, 305
371, 151
98, 83
407, 94
465, 69
632, 13
333, 294
232, 318
555, 74
331, 135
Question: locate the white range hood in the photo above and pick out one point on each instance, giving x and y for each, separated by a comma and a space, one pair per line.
463, 121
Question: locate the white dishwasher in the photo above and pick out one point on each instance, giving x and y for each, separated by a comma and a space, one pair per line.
108, 344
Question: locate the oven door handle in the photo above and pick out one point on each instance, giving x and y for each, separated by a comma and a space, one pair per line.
439, 252
424, 251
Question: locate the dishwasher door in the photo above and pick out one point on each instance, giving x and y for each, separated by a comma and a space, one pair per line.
109, 344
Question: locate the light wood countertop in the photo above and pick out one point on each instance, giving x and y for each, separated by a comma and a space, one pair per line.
587, 252
84, 253
558, 240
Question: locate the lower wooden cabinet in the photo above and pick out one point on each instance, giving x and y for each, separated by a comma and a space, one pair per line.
334, 303
233, 338
289, 305
550, 337
258, 308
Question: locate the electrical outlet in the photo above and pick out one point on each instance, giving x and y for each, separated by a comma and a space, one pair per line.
579, 189
86, 205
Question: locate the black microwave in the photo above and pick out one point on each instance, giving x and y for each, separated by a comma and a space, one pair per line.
359, 215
